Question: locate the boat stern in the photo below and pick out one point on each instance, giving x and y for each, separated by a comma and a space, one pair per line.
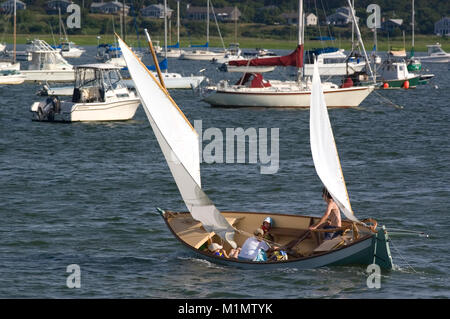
382, 253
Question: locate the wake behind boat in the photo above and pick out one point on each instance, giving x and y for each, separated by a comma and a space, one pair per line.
360, 243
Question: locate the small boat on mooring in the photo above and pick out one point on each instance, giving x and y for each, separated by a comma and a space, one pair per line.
361, 242
99, 94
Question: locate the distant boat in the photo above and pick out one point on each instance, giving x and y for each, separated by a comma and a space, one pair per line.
67, 48
360, 243
435, 55
99, 94
202, 55
332, 62
8, 77
70, 50
47, 64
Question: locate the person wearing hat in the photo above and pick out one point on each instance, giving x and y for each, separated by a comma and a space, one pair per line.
266, 227
217, 250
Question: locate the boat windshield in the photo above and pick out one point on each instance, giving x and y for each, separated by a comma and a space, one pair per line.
434, 49
87, 77
112, 80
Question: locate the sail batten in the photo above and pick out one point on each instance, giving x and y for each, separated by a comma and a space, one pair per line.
324, 150
179, 143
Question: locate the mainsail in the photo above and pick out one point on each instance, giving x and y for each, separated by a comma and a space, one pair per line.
293, 59
323, 148
180, 145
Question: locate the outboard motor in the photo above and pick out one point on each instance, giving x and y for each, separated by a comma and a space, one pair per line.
47, 112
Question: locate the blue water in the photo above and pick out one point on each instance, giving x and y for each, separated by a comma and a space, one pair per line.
86, 194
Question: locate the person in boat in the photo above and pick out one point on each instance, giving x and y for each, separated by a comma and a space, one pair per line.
218, 250
255, 248
266, 227
331, 218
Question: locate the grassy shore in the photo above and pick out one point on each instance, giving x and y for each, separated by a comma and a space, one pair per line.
247, 42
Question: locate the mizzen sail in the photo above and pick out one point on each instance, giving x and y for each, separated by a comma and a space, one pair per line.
324, 150
179, 143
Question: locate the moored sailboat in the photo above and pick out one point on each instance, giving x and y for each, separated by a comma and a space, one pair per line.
283, 94
360, 243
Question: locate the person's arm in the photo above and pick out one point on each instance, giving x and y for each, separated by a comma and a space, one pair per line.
224, 253
324, 217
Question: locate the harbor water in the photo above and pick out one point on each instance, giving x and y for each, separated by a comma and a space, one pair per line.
86, 194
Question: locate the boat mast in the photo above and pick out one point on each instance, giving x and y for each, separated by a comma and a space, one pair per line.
358, 33
155, 59
207, 25
412, 26
353, 28
178, 24
123, 21
165, 30
14, 49
300, 35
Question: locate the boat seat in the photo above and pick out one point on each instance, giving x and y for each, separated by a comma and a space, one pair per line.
289, 232
192, 232
331, 244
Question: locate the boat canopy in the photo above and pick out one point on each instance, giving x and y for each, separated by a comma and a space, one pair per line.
174, 46
293, 59
323, 148
180, 145
206, 45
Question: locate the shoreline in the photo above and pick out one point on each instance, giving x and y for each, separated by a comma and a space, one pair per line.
244, 42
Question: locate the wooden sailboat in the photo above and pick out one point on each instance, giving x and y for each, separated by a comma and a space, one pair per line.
360, 243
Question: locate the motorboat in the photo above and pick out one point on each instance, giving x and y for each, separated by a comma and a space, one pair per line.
8, 77
47, 64
435, 55
70, 50
99, 94
332, 62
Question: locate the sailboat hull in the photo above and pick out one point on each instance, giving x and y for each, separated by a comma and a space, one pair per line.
370, 248
200, 55
248, 97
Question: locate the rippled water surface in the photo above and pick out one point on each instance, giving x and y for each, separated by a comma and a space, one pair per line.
86, 194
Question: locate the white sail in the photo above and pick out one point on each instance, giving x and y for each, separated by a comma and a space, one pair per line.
179, 143
324, 150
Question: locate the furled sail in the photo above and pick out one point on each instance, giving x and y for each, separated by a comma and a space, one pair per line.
180, 145
293, 59
324, 150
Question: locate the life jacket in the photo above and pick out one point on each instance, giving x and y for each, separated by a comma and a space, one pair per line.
279, 255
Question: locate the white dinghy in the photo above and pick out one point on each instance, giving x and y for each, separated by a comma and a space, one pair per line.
360, 243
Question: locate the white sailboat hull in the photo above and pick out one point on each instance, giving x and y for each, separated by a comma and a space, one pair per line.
11, 79
248, 97
189, 82
200, 55
250, 69
48, 75
9, 66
